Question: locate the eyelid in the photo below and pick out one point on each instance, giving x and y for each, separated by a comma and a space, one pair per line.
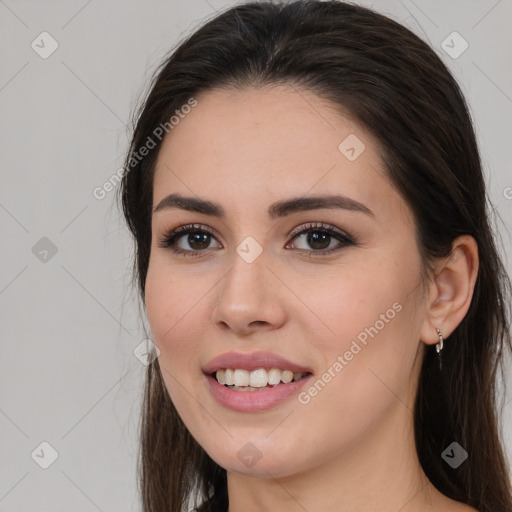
186, 228
321, 226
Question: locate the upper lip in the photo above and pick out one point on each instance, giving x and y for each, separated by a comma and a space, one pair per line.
252, 361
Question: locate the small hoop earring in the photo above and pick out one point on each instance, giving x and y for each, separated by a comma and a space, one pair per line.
439, 346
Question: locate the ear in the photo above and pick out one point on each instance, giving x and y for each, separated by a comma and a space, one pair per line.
451, 290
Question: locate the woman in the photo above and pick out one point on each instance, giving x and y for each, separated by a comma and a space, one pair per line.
315, 258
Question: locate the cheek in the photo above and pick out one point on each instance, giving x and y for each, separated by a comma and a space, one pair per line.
370, 331
373, 297
177, 312
170, 301
353, 303
174, 310
169, 307
161, 305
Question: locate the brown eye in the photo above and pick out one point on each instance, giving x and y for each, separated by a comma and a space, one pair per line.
318, 239
187, 240
194, 239
197, 240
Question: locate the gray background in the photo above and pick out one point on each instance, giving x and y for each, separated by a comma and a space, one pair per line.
69, 323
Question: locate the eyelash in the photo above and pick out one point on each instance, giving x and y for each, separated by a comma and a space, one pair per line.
168, 240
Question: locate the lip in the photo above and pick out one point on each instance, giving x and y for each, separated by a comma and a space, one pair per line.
254, 401
252, 361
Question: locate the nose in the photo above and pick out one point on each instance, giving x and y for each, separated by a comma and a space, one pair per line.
248, 298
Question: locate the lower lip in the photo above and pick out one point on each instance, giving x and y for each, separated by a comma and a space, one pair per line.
252, 401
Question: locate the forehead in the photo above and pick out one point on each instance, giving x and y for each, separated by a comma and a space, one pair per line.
261, 128
263, 144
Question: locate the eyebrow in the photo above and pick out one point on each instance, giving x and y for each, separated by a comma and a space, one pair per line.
275, 210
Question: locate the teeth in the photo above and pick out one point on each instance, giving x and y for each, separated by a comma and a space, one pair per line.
259, 378
221, 377
274, 376
230, 377
242, 378
287, 376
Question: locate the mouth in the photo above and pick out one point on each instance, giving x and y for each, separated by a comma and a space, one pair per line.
241, 396
254, 381
239, 379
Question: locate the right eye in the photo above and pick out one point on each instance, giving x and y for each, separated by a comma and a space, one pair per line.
198, 239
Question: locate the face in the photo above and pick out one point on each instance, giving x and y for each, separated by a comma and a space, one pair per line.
333, 288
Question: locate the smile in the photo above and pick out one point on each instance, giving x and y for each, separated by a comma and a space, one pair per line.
261, 378
241, 399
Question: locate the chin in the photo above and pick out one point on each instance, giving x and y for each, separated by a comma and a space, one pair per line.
249, 460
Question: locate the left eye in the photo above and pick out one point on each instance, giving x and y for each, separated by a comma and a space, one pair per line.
316, 239
317, 235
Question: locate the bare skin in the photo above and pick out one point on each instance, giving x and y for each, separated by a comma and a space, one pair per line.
350, 448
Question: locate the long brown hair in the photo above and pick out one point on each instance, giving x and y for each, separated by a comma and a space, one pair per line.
396, 86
